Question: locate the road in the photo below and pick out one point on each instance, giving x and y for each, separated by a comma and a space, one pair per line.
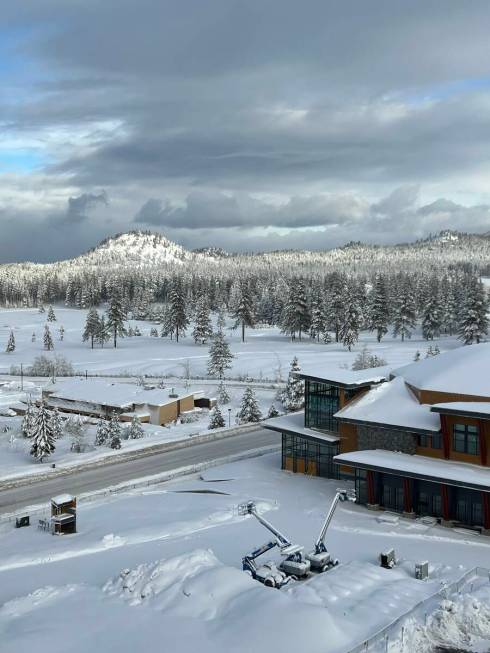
112, 474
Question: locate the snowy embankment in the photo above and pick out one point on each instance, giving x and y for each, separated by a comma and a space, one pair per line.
163, 564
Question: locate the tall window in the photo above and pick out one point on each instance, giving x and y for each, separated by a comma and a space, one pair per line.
321, 403
465, 439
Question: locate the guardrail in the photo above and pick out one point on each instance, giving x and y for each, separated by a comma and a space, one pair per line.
380, 640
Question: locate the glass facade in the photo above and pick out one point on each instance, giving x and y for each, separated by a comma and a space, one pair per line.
433, 441
465, 439
306, 456
322, 401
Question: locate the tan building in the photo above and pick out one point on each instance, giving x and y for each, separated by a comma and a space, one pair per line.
101, 398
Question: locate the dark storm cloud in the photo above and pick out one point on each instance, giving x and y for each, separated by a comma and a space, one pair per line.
207, 104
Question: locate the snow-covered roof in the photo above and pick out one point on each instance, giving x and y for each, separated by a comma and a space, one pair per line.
343, 377
472, 408
391, 404
421, 467
62, 498
120, 395
294, 423
464, 371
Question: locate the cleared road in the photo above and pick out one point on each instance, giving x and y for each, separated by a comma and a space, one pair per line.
112, 474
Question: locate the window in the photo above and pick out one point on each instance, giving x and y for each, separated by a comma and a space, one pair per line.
465, 439
423, 440
309, 457
436, 441
433, 441
321, 404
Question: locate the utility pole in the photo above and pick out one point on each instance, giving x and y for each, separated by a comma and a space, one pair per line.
21, 377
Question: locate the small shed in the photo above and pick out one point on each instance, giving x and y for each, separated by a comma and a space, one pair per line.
63, 514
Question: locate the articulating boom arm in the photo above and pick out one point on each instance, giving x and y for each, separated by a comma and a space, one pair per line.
250, 509
341, 495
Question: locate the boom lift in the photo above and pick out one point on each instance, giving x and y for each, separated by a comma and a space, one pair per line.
294, 563
267, 573
320, 559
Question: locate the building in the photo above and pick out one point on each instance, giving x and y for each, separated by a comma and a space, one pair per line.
63, 514
416, 439
101, 398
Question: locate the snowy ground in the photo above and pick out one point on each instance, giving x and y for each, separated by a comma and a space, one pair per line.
266, 353
14, 449
179, 549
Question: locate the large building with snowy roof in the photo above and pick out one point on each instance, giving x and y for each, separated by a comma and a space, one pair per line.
416, 439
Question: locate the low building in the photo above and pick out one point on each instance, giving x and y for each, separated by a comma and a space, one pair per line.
415, 439
101, 398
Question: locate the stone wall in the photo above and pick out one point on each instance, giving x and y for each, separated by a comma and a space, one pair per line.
372, 437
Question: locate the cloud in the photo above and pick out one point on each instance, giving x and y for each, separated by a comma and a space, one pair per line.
78, 208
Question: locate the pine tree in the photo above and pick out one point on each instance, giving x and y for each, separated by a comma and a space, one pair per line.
135, 430
102, 433
293, 395
114, 433
202, 326
473, 324
216, 420
273, 412
56, 424
243, 312
249, 408
42, 309
28, 420
431, 317
378, 317
115, 318
220, 356
366, 360
48, 340
178, 316
153, 333
51, 316
404, 312
92, 326
33, 337
223, 396
11, 343
296, 315
43, 442
416, 357
102, 335
351, 322
61, 332
77, 432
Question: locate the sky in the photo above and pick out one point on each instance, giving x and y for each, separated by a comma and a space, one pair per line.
243, 124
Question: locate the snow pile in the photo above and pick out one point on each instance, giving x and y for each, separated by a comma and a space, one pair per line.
462, 624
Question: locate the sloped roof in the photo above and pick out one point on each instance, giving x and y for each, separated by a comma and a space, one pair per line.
465, 371
294, 423
343, 377
391, 404
471, 408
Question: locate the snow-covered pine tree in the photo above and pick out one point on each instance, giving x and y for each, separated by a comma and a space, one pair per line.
78, 434
92, 326
336, 303
135, 430
366, 360
404, 311
43, 442
273, 412
102, 433
221, 319
220, 356
153, 333
178, 315
47, 339
378, 315
319, 313
216, 420
115, 318
42, 309
242, 310
296, 315
102, 335
223, 396
473, 325
33, 337
431, 316
351, 321
61, 332
249, 410
28, 420
202, 326
114, 432
11, 343
51, 316
56, 424
293, 395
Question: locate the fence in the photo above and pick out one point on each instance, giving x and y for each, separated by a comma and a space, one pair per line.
395, 628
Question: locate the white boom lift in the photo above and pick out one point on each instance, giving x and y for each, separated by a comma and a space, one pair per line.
320, 559
294, 563
266, 573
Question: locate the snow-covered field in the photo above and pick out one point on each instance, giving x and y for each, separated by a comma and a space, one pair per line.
266, 354
160, 569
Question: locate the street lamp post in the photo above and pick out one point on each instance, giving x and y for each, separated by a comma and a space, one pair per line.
229, 417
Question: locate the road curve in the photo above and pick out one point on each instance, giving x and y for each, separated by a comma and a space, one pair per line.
101, 477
